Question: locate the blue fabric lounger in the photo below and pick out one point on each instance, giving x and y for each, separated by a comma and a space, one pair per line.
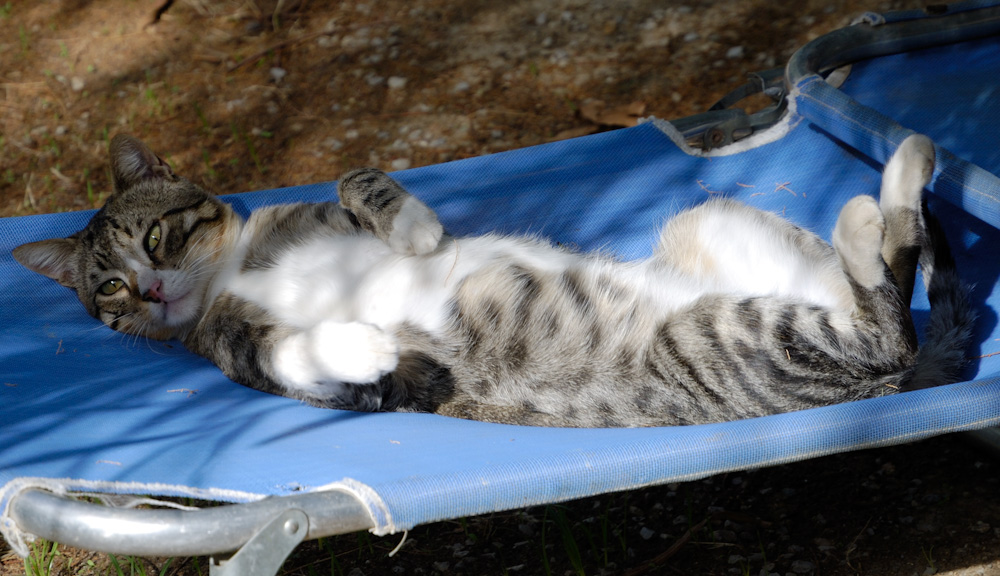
84, 409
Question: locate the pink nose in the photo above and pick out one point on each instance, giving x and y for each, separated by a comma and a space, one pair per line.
154, 294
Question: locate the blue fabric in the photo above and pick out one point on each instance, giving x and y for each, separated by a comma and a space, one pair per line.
79, 401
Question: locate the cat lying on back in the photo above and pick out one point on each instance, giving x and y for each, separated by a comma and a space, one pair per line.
366, 305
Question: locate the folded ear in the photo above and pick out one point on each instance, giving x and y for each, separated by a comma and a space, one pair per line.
52, 258
132, 162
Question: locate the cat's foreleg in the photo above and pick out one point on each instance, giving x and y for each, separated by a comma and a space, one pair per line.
352, 352
327, 365
386, 209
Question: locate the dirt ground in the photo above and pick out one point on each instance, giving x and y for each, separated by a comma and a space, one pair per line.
243, 95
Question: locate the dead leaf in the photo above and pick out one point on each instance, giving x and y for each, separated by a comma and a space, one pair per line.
575, 132
624, 115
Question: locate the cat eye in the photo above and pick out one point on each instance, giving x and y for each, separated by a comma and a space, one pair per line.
111, 286
153, 238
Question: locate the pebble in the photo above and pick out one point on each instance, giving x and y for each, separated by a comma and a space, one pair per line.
277, 74
401, 163
397, 82
735, 52
76, 83
802, 567
646, 533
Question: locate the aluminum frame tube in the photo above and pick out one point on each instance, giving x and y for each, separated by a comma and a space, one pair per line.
172, 532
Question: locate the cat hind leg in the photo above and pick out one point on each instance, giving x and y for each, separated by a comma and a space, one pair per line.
906, 175
880, 308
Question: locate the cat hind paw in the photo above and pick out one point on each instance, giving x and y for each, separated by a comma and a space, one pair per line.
907, 173
858, 237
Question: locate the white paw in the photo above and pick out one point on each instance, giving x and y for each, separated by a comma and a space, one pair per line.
907, 173
415, 230
332, 353
858, 237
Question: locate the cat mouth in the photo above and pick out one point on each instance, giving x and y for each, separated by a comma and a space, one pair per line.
178, 310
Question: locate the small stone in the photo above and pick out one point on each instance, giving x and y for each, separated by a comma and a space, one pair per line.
400, 164
735, 52
646, 533
802, 567
278, 74
397, 82
461, 87
76, 83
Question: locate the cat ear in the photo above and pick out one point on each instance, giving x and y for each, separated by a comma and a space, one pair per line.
132, 162
52, 258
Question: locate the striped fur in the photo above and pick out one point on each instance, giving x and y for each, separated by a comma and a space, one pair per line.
367, 305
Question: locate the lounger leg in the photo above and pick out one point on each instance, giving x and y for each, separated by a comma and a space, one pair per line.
266, 551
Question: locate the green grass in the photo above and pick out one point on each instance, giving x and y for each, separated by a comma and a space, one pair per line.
132, 566
41, 559
247, 139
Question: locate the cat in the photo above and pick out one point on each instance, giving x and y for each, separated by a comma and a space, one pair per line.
368, 305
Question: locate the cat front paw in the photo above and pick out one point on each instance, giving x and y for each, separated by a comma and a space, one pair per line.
335, 352
415, 229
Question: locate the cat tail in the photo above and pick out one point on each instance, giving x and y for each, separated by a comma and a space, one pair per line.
949, 329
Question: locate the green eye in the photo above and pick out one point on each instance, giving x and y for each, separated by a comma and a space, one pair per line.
153, 239
111, 286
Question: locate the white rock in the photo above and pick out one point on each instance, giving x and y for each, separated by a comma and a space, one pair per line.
400, 163
397, 82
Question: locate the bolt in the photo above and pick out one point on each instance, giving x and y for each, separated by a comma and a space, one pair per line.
291, 527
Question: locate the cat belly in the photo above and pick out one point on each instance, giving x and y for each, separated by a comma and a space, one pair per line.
732, 248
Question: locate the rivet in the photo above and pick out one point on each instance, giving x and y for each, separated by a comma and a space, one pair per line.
291, 526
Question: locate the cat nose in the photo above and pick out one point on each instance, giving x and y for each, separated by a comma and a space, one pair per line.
153, 294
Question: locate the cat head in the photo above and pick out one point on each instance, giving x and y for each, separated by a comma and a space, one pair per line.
144, 262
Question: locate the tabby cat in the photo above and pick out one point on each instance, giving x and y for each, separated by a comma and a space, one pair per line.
367, 305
